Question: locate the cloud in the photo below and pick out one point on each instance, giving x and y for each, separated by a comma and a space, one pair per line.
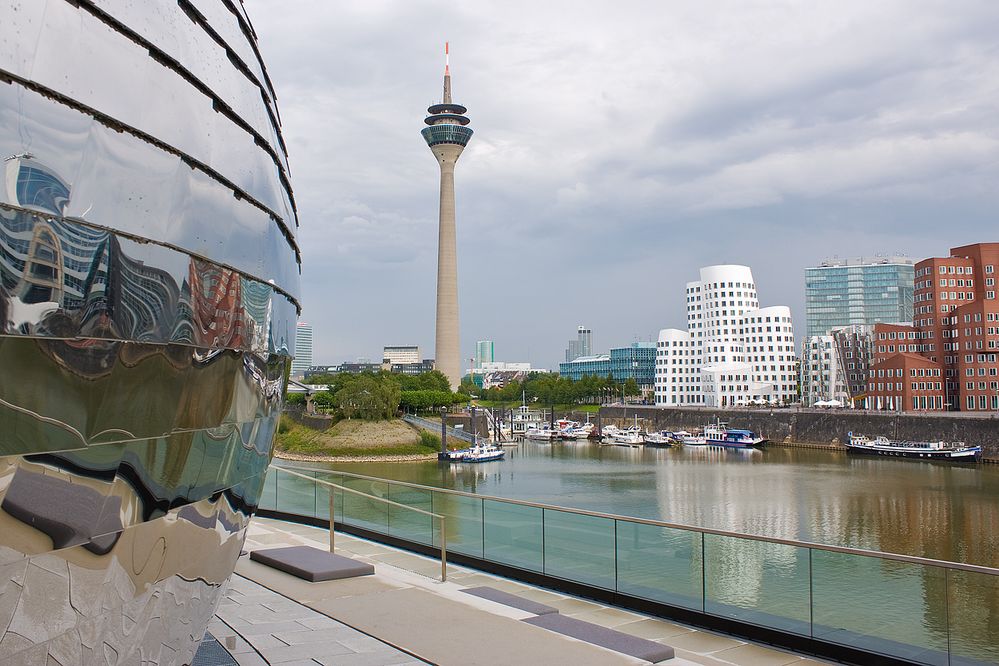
615, 152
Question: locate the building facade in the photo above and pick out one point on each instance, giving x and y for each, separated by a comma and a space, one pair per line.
303, 350
636, 361
868, 290
955, 328
485, 352
581, 346
835, 367
733, 352
400, 355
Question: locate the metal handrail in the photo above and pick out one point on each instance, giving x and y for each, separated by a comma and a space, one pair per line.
897, 557
440, 517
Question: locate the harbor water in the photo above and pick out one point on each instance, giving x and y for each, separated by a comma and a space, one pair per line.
935, 510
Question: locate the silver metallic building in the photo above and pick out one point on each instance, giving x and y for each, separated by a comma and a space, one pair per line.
148, 299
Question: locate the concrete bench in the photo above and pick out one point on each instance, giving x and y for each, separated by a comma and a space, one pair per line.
608, 638
311, 564
512, 600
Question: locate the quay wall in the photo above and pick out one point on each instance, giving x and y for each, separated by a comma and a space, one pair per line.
826, 428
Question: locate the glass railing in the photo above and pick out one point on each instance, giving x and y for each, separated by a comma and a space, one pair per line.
915, 609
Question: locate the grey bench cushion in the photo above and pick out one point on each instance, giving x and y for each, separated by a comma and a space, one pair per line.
71, 514
311, 564
512, 600
604, 637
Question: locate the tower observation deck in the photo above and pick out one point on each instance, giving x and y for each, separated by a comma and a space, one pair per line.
447, 135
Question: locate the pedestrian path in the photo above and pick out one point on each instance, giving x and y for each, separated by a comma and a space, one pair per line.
258, 626
405, 606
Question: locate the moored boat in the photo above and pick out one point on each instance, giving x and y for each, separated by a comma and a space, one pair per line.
939, 450
719, 434
543, 433
664, 438
484, 453
623, 436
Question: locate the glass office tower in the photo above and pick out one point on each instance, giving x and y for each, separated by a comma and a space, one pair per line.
849, 292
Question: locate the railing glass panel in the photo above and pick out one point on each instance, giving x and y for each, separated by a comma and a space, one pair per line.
580, 548
362, 512
295, 494
757, 582
880, 606
268, 497
660, 564
411, 525
513, 534
920, 611
973, 618
463, 521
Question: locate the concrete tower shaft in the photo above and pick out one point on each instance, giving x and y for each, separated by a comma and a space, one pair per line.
446, 134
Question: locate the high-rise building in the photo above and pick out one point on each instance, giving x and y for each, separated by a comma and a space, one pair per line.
847, 292
581, 346
485, 352
303, 350
955, 328
733, 352
447, 136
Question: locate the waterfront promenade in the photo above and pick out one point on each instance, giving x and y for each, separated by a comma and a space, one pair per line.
404, 615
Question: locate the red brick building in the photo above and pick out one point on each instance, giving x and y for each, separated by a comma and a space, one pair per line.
955, 328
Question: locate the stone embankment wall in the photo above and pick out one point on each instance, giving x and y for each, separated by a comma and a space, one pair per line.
314, 421
819, 427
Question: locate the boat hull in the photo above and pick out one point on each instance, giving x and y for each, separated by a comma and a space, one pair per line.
735, 445
972, 455
148, 281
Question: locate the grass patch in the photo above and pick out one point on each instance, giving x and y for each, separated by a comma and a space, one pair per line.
353, 437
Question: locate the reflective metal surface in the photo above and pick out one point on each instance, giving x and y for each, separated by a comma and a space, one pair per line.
148, 282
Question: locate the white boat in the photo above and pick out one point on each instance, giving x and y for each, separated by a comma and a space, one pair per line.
626, 437
882, 446
541, 433
719, 434
661, 438
574, 429
485, 453
455, 456
693, 439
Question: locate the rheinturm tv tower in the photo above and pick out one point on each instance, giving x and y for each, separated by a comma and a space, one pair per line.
447, 135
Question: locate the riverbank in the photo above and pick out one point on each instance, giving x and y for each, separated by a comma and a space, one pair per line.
298, 457
353, 440
822, 428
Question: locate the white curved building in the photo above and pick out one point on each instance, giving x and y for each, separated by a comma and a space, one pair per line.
733, 352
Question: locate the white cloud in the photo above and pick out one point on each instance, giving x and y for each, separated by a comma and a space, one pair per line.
616, 151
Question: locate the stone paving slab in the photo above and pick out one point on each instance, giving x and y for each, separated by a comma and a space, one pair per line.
259, 627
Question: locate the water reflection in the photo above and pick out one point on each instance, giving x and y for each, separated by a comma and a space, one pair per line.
926, 509
63, 279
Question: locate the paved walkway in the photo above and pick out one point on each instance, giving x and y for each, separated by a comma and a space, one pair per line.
406, 606
258, 626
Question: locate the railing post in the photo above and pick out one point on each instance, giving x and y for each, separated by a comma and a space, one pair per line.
331, 519
443, 551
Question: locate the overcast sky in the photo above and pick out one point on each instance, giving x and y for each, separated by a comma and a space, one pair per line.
618, 147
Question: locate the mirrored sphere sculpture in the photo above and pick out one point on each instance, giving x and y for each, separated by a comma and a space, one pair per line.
148, 299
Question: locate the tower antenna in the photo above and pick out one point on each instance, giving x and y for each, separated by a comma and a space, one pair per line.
447, 73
